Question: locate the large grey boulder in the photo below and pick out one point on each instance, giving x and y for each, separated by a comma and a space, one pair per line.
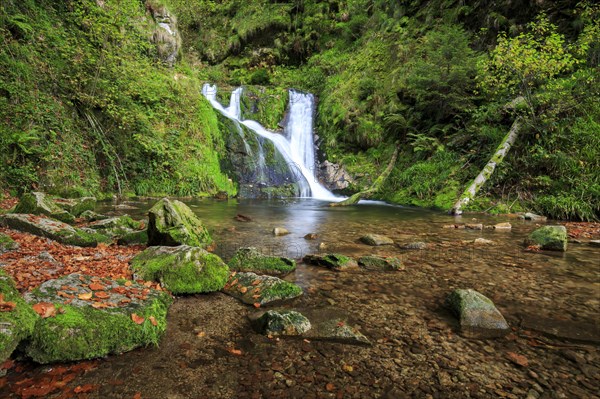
53, 229
252, 260
182, 269
119, 227
477, 314
173, 223
552, 238
85, 317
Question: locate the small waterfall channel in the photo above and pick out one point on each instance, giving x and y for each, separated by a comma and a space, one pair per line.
295, 145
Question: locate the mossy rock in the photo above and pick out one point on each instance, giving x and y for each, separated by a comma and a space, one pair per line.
553, 238
53, 229
119, 227
7, 243
76, 206
173, 223
280, 322
134, 237
378, 263
252, 288
37, 203
477, 314
17, 318
92, 216
129, 316
182, 269
251, 260
335, 262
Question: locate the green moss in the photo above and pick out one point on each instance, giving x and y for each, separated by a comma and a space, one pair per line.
182, 270
7, 243
77, 333
549, 237
136, 237
174, 223
17, 324
281, 290
251, 260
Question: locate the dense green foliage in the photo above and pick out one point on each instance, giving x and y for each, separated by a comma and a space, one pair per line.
437, 76
87, 106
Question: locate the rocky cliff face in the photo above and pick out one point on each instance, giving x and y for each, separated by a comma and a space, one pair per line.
166, 36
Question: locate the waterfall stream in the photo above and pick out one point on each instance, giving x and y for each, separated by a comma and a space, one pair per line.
295, 145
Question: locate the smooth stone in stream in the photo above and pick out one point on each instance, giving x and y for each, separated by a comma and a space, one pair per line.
376, 240
477, 314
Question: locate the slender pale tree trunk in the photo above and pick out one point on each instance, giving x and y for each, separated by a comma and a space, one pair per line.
374, 187
487, 171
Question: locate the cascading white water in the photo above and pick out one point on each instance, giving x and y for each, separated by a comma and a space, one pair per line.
298, 151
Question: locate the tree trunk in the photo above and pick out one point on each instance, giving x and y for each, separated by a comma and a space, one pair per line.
487, 171
374, 187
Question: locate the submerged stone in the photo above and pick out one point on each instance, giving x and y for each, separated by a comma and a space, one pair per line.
252, 260
503, 226
378, 263
534, 217
7, 243
552, 238
37, 203
477, 314
173, 223
257, 290
182, 269
414, 245
88, 317
376, 240
53, 229
280, 231
280, 322
335, 262
333, 324
17, 318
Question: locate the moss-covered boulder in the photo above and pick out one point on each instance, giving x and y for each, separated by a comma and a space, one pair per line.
182, 269
139, 237
85, 317
17, 318
91, 216
280, 322
119, 227
37, 203
477, 314
76, 206
378, 263
173, 223
7, 243
252, 260
257, 290
53, 229
335, 262
552, 238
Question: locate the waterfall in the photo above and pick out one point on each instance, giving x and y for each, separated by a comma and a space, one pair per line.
296, 146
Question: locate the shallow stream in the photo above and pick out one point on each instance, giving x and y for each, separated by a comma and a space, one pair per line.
417, 352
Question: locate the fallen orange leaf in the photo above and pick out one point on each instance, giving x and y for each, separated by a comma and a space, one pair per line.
233, 351
97, 287
153, 321
86, 296
102, 295
44, 309
137, 319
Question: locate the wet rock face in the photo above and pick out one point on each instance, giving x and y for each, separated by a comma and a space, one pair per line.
258, 290
335, 262
182, 269
553, 238
53, 229
17, 318
166, 36
280, 322
376, 240
334, 176
378, 263
173, 223
37, 203
252, 260
477, 314
81, 315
